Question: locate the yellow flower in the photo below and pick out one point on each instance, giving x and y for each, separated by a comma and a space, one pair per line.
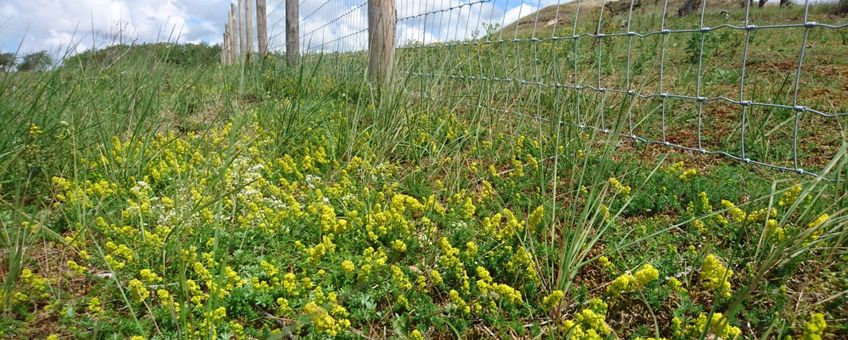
503, 225
436, 277
94, 305
468, 208
606, 264
76, 268
789, 196
61, 183
605, 212
403, 302
553, 299
699, 226
507, 292
628, 282
716, 276
149, 276
470, 249
138, 290
487, 190
621, 284
34, 130
819, 221
348, 266
774, 231
219, 313
535, 218
718, 326
736, 213
675, 284
399, 246
618, 187
645, 275
323, 321
816, 224
814, 329
493, 171
283, 306
587, 324
687, 174
400, 278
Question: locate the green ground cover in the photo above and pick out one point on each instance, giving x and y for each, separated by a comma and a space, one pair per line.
142, 197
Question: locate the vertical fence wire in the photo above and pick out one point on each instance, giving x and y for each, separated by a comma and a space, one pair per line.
627, 67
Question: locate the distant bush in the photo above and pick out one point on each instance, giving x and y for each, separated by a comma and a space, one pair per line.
37, 61
182, 54
7, 62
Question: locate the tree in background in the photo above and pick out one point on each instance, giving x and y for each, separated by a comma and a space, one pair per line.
843, 6
7, 62
36, 61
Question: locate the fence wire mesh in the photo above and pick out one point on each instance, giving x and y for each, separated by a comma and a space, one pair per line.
711, 77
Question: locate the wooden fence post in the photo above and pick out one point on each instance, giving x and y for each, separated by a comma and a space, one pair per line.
292, 34
382, 18
225, 45
242, 31
261, 28
234, 35
248, 14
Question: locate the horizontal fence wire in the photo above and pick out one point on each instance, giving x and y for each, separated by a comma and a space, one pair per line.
276, 19
723, 80
334, 26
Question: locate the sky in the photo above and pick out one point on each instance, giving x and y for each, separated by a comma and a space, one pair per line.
77, 25
64, 27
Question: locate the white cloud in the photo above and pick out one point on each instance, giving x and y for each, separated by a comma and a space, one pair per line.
338, 25
518, 12
76, 25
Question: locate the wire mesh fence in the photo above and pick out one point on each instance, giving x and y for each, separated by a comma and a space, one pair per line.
712, 77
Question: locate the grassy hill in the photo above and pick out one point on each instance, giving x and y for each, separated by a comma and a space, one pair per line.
562, 17
168, 53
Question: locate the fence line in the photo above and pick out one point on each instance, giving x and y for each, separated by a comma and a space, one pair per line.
593, 62
246, 28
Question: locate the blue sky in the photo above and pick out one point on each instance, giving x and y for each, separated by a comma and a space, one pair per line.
69, 26
75, 25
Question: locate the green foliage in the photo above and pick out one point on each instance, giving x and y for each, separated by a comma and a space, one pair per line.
163, 53
715, 44
203, 201
7, 61
35, 62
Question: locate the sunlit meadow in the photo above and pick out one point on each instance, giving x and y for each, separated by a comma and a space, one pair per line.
142, 197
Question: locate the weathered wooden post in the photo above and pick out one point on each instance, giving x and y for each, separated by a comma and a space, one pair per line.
224, 48
382, 18
235, 53
242, 31
225, 45
261, 28
248, 14
292, 35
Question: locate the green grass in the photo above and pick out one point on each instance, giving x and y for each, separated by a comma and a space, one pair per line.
147, 196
